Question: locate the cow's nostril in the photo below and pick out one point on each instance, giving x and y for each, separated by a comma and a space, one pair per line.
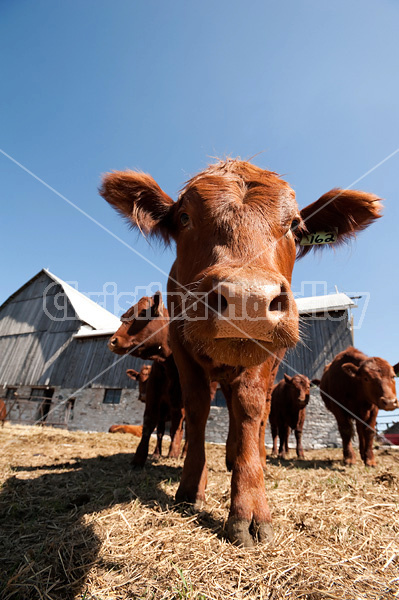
217, 302
114, 341
280, 303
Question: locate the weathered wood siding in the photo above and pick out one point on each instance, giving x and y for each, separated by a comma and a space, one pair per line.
89, 360
322, 337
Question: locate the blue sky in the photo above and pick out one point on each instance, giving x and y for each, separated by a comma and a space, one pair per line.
164, 86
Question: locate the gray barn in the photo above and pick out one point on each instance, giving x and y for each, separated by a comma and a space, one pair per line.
54, 362
55, 365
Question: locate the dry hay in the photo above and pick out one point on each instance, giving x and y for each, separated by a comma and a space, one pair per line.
76, 522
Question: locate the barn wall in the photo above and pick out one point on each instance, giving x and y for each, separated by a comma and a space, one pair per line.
322, 338
89, 412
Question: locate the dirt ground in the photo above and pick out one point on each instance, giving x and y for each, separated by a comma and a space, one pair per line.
77, 523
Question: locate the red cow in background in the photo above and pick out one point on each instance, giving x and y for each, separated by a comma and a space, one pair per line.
355, 386
136, 430
144, 333
290, 398
236, 228
142, 378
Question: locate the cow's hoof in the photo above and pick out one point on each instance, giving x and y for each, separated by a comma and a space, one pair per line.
194, 500
229, 465
247, 533
174, 454
137, 462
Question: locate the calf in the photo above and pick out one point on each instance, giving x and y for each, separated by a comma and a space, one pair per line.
290, 398
142, 378
354, 386
144, 333
133, 429
236, 229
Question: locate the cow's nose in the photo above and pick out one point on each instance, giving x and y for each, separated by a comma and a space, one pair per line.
232, 300
244, 310
390, 403
113, 342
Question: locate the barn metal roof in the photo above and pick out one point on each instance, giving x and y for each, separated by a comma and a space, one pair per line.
90, 313
314, 304
87, 311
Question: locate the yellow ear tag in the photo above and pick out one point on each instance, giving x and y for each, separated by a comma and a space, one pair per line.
319, 237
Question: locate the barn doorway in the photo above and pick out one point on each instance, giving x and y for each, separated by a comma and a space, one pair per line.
43, 396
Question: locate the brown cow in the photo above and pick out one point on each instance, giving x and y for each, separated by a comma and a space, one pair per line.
354, 386
142, 378
144, 333
236, 229
290, 398
3, 412
136, 430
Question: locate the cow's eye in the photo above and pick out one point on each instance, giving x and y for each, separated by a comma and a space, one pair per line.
184, 219
295, 224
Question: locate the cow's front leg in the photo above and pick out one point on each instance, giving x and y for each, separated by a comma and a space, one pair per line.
160, 433
366, 440
346, 431
299, 448
284, 434
151, 417
176, 433
262, 431
231, 442
274, 430
197, 399
249, 518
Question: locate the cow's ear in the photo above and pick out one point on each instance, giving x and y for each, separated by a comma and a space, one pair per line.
132, 374
346, 211
287, 378
158, 304
140, 200
350, 369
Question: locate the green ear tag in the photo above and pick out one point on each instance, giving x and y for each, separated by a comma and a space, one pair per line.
319, 237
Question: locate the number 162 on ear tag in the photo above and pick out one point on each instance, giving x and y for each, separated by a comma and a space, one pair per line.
319, 237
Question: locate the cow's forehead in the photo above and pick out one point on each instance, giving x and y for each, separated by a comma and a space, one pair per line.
300, 379
238, 181
378, 367
133, 311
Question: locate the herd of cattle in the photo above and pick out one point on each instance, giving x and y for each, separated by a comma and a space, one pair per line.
232, 315
362, 386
